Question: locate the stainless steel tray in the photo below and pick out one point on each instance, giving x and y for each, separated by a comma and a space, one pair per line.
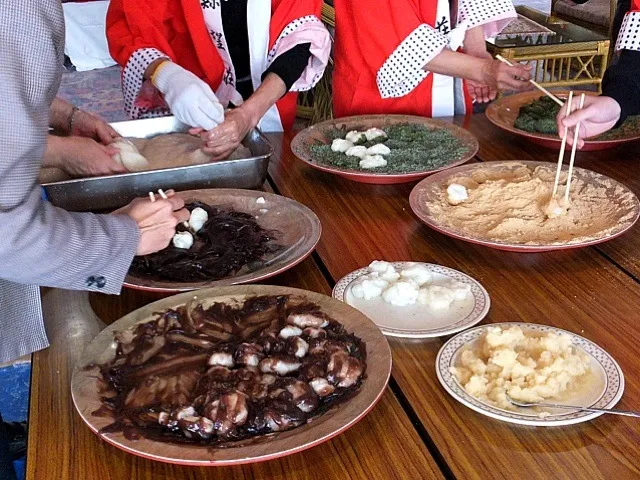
113, 191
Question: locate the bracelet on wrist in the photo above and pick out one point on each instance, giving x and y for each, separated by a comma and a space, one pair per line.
72, 117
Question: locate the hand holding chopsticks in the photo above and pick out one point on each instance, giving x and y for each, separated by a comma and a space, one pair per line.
534, 83
573, 155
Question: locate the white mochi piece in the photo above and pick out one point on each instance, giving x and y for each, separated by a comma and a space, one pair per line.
457, 194
355, 136
128, 156
183, 240
198, 218
373, 161
378, 149
401, 293
385, 270
374, 133
359, 151
341, 145
418, 273
369, 287
436, 297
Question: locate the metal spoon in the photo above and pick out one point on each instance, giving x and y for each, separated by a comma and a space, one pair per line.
625, 413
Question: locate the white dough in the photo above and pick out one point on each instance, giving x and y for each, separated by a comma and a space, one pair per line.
373, 161
369, 287
357, 151
385, 270
378, 149
183, 240
261, 200
460, 290
457, 194
436, 297
129, 156
418, 273
355, 136
341, 145
374, 133
198, 218
401, 293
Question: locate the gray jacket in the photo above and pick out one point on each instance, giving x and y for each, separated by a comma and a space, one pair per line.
39, 243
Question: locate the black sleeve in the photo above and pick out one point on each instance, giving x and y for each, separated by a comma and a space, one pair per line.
290, 65
622, 83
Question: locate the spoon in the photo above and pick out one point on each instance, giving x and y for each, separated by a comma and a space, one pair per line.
574, 407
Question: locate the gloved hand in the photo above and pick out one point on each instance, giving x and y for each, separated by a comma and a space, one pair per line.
190, 99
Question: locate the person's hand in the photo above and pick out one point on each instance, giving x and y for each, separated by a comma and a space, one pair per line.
88, 125
190, 99
226, 137
500, 76
84, 157
480, 92
156, 221
599, 115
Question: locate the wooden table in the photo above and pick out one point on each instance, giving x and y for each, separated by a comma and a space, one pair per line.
417, 430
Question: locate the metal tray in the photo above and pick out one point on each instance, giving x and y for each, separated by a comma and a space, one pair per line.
113, 191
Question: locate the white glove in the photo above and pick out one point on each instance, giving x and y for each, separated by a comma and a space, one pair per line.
190, 99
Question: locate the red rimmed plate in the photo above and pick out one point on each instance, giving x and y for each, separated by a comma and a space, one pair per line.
504, 112
433, 187
85, 386
299, 229
319, 133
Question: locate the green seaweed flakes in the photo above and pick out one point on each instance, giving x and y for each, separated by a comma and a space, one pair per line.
414, 148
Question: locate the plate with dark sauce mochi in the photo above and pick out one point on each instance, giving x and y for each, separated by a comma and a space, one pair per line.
231, 375
248, 236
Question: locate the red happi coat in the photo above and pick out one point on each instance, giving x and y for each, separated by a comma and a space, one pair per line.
367, 33
177, 29
629, 35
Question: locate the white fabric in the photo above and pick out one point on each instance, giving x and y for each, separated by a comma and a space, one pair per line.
629, 36
257, 12
226, 92
442, 99
85, 37
190, 99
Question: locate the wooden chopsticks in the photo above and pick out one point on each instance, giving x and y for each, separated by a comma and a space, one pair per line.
152, 196
534, 83
574, 147
576, 133
562, 147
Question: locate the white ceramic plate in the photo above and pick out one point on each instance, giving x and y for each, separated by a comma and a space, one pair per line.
419, 321
603, 390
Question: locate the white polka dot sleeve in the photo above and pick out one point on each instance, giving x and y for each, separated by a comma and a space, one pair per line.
404, 69
629, 36
494, 15
133, 82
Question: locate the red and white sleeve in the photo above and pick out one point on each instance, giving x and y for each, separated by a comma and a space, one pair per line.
404, 69
493, 15
629, 35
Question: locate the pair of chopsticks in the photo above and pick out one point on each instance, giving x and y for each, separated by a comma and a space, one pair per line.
534, 83
573, 152
152, 196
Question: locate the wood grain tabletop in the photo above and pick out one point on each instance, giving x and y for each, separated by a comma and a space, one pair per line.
579, 290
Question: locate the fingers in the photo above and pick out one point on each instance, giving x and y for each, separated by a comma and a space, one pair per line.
582, 115
176, 202
106, 134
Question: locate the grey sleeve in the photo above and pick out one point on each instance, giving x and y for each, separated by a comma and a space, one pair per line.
39, 243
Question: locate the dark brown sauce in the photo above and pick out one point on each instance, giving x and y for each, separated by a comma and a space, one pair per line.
226, 244
175, 373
